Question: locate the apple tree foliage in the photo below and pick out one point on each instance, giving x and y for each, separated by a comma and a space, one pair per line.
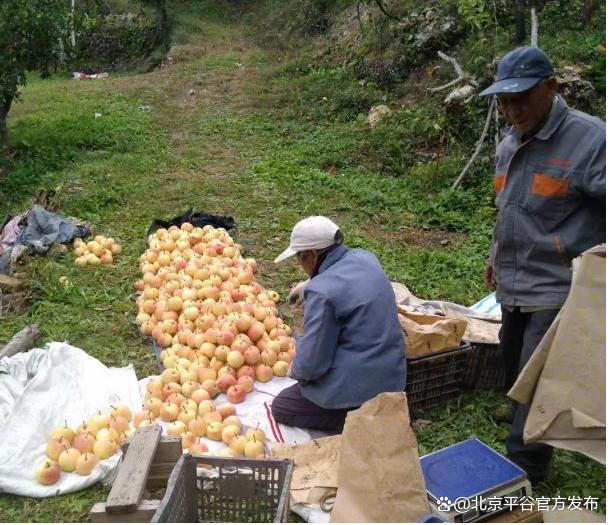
32, 37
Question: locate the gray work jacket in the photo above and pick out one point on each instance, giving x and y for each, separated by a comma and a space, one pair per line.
550, 195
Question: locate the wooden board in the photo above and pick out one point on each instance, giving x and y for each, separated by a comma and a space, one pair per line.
169, 449
128, 487
144, 513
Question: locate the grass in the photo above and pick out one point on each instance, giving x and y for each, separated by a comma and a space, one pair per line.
255, 141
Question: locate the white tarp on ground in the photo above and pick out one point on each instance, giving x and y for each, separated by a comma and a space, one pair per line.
38, 391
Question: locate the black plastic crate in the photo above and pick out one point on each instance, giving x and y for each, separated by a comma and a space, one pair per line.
434, 379
231, 490
485, 368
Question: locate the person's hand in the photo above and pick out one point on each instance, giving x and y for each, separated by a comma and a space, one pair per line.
489, 278
296, 294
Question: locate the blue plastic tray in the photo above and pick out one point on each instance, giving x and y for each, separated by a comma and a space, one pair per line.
466, 470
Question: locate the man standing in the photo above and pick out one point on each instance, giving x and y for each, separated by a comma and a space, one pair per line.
550, 195
352, 347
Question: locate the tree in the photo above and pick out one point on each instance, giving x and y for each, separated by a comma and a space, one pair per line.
32, 37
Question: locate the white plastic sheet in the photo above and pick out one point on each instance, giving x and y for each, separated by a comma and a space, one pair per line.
38, 391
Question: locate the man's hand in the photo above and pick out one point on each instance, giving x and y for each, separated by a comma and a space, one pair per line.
489, 278
296, 295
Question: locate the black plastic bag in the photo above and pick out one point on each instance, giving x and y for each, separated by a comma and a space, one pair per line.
196, 219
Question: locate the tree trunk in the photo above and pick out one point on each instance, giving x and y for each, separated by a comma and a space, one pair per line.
520, 21
5, 106
589, 6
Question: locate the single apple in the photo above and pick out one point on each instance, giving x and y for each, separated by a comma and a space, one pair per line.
84, 443
253, 449
64, 431
238, 443
121, 410
255, 434
236, 394
56, 446
200, 395
48, 473
214, 430
188, 439
85, 463
229, 432
67, 459
264, 373
280, 368
226, 410
232, 420
197, 426
168, 412
176, 428
225, 381
198, 449
247, 383
205, 407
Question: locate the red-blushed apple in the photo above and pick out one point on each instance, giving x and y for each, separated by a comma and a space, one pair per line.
256, 331
56, 446
85, 464
87, 428
225, 381
264, 373
252, 355
168, 412
48, 473
83, 443
142, 415
284, 356
236, 393
247, 383
197, 426
153, 404
188, 439
206, 374
246, 370
212, 417
175, 399
226, 410
198, 449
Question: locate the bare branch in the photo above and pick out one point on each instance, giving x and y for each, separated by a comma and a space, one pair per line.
479, 145
534, 28
446, 86
459, 71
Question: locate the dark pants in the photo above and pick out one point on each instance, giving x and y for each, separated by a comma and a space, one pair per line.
520, 334
291, 408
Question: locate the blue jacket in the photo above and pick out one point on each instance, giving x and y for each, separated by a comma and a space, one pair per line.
352, 347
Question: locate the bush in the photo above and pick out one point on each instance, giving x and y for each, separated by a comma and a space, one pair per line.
399, 141
114, 40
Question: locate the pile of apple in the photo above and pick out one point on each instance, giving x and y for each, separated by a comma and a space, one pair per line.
218, 327
193, 415
99, 251
80, 450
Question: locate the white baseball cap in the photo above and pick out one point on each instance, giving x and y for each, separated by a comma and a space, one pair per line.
312, 233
